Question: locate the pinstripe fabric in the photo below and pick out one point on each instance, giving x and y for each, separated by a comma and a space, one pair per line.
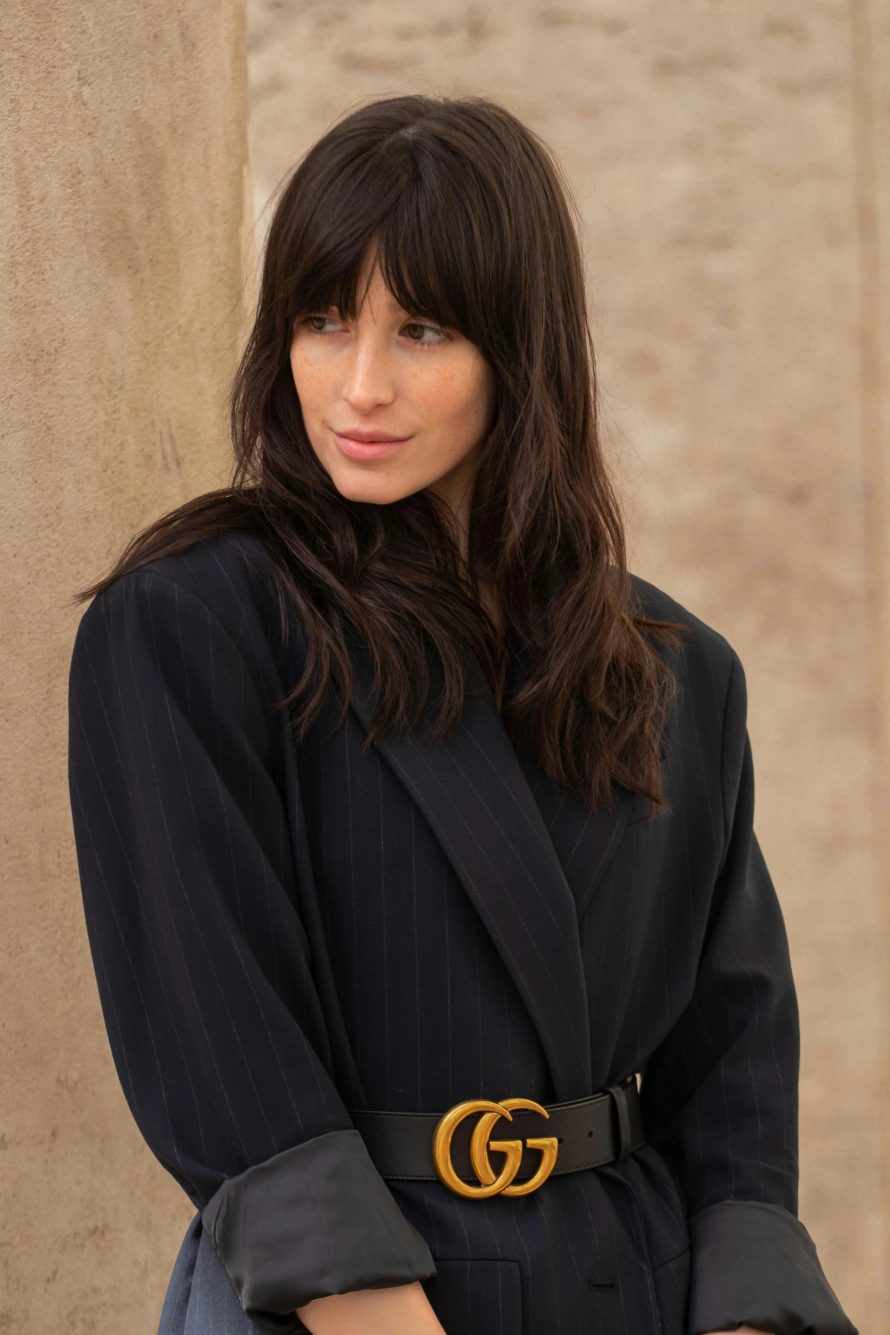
200, 1298
281, 933
471, 789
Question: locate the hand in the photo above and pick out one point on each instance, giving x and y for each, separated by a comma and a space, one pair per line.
398, 1311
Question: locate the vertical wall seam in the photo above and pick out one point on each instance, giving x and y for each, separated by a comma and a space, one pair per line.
871, 377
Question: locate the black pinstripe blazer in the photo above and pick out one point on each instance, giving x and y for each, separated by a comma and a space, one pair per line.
282, 933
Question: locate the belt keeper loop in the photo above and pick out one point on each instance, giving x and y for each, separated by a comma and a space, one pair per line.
619, 1098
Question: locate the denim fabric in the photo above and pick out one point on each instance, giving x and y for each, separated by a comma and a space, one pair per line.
200, 1300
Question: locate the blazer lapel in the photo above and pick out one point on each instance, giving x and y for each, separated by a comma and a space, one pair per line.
473, 793
584, 840
599, 840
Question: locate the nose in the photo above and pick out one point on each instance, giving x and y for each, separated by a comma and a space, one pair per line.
369, 381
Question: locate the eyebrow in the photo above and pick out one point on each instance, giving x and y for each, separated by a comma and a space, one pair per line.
396, 309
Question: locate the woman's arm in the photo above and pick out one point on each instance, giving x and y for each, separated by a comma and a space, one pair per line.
401, 1311
203, 965
720, 1095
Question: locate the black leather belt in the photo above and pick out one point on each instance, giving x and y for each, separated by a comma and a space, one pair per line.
454, 1148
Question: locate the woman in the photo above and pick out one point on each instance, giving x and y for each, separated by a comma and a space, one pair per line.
438, 958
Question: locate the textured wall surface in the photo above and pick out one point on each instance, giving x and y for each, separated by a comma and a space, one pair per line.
123, 156
732, 164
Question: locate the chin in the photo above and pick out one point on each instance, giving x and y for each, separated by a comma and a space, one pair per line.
371, 489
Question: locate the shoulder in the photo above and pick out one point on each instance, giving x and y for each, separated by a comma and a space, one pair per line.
694, 633
711, 704
225, 583
701, 648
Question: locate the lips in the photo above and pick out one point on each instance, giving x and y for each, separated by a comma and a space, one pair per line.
369, 445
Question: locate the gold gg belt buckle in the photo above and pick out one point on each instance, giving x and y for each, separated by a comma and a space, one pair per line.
493, 1184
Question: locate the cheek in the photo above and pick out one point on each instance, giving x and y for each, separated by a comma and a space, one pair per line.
311, 379
460, 396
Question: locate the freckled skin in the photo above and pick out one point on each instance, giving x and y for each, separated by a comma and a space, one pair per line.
402, 375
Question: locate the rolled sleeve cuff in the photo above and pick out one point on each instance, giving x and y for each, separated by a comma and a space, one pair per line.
313, 1221
754, 1264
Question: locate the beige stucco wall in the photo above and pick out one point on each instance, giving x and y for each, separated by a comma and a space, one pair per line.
732, 163
123, 161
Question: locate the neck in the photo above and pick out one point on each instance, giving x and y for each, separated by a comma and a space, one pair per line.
456, 490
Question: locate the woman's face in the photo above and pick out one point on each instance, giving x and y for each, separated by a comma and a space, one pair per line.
392, 404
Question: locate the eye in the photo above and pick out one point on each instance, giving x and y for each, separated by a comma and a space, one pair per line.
323, 324
426, 335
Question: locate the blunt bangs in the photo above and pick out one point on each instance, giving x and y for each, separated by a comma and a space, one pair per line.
432, 202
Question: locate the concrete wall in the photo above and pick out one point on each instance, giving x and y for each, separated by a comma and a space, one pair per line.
123, 160
732, 163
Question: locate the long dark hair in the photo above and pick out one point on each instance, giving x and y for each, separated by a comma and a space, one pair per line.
472, 227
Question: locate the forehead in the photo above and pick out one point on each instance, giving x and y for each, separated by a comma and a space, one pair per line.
404, 276
374, 295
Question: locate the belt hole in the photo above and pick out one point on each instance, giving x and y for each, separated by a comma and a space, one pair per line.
590, 1135
560, 1140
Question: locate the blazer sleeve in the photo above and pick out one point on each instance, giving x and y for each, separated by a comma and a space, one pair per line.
720, 1094
176, 774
